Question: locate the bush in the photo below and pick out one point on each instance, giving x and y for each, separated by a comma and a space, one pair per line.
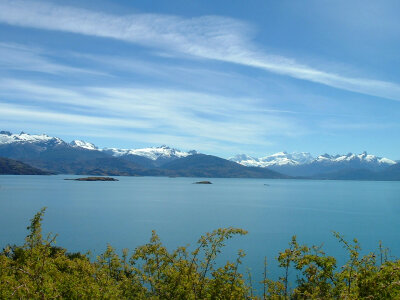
39, 270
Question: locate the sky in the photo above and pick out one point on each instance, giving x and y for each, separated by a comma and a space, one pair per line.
221, 77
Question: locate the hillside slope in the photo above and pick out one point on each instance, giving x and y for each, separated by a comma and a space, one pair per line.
202, 165
14, 167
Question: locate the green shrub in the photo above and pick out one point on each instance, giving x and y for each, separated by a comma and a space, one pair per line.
40, 270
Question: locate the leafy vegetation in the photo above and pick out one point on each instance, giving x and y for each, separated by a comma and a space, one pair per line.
40, 270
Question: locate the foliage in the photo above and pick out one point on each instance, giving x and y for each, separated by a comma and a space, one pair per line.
40, 270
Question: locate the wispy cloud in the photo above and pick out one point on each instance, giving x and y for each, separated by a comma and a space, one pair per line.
22, 58
357, 125
157, 115
209, 37
32, 113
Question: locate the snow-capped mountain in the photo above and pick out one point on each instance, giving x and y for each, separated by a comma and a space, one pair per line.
303, 164
277, 159
157, 155
24, 146
363, 158
152, 153
83, 145
7, 137
81, 157
46, 152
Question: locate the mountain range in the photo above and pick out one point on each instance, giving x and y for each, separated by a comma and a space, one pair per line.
52, 154
304, 164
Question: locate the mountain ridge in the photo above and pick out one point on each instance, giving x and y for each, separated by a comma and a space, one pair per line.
52, 154
303, 164
83, 158
14, 167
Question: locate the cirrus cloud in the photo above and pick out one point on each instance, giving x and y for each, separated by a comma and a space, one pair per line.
209, 37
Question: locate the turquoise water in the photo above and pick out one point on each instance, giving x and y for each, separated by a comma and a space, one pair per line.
88, 215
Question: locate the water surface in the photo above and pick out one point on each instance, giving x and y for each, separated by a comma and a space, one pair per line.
88, 215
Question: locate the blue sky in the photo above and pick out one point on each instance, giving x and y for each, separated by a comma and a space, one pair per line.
221, 77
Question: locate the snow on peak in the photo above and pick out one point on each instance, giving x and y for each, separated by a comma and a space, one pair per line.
277, 159
9, 138
83, 144
384, 160
279, 154
301, 158
246, 160
152, 153
241, 157
282, 158
164, 152
323, 157
355, 158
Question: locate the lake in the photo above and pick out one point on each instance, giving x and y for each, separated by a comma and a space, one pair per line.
88, 215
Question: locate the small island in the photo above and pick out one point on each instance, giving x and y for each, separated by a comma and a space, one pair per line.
93, 179
203, 182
